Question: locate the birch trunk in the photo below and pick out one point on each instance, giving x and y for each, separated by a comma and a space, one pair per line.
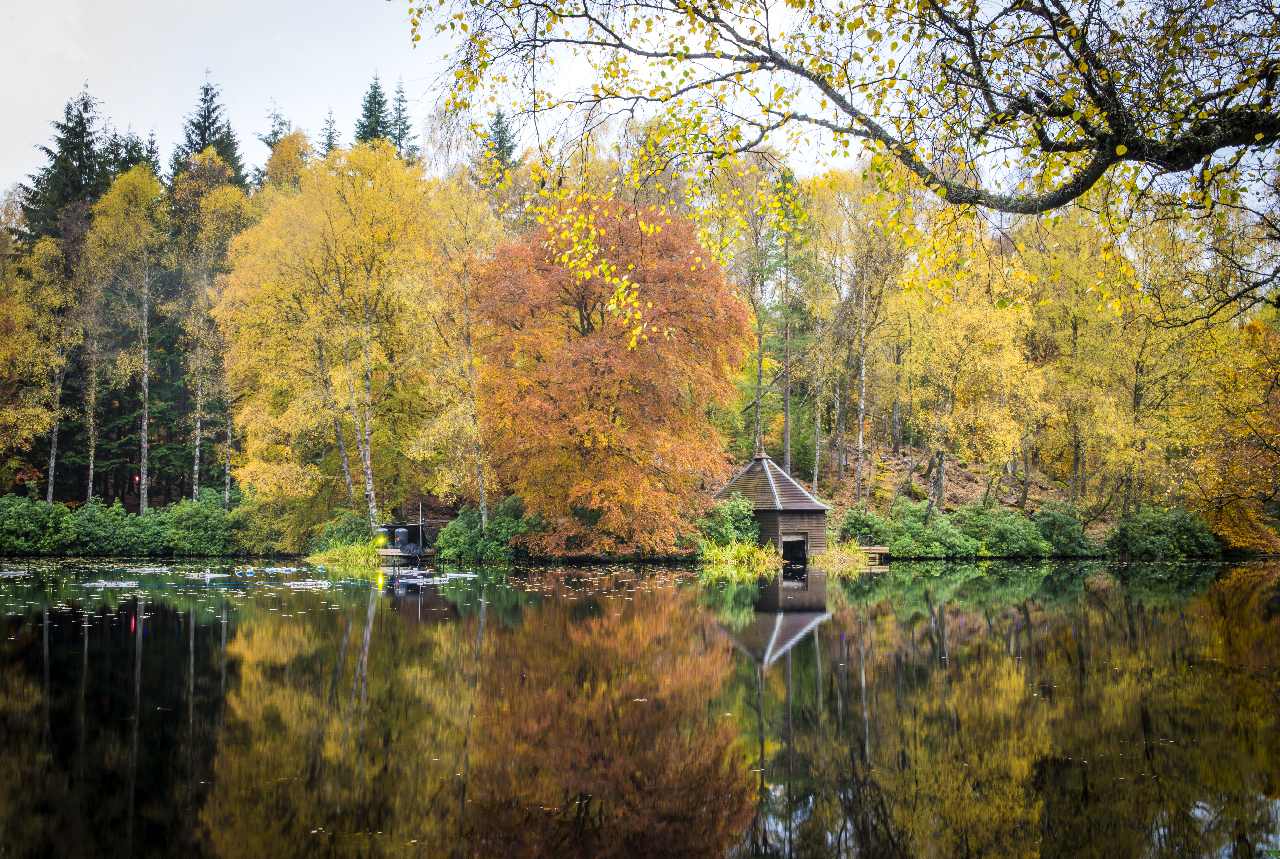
817, 435
365, 443
53, 459
482, 492
786, 393
339, 437
759, 379
195, 459
859, 467
91, 418
226, 465
144, 430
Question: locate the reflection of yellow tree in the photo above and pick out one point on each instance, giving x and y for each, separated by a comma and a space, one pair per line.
964, 784
595, 738
1125, 720
363, 733
340, 729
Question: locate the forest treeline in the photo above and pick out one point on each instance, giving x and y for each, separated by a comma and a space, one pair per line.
351, 329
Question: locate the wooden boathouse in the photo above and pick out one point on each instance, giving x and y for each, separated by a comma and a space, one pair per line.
789, 516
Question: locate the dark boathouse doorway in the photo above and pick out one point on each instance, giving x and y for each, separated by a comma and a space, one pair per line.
795, 554
790, 518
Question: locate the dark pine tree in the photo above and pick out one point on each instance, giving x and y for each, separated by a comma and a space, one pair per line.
208, 126
375, 115
122, 152
329, 135
280, 126
402, 135
57, 197
499, 154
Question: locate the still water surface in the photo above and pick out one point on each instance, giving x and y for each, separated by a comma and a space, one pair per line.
1050, 710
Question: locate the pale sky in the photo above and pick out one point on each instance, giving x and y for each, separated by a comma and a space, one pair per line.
144, 60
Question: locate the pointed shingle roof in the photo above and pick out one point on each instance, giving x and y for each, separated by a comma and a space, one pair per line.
768, 487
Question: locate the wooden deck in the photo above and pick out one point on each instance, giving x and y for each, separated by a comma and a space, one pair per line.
399, 556
877, 556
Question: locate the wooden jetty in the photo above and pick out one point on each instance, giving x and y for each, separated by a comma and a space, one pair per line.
877, 557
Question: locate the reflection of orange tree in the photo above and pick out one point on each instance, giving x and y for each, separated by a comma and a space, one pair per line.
355, 732
595, 738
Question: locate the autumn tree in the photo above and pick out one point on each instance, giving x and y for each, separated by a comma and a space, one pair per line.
1063, 92
599, 419
974, 394
33, 347
208, 210
462, 237
318, 311
863, 232
127, 245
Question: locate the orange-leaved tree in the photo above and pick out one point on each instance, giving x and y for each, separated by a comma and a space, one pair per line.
600, 374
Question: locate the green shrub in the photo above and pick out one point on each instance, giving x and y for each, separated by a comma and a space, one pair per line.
866, 527
31, 527
198, 528
1059, 524
102, 531
729, 521
463, 541
1157, 533
1001, 532
348, 528
188, 528
920, 534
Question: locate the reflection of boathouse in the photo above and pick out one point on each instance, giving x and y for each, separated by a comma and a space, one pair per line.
788, 515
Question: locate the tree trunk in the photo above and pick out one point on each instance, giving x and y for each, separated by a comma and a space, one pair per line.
1026, 476
835, 441
482, 493
895, 427
939, 490
817, 435
937, 467
339, 438
786, 392
759, 380
860, 466
366, 450
53, 435
195, 459
226, 465
859, 473
91, 418
144, 430
1077, 462
53, 461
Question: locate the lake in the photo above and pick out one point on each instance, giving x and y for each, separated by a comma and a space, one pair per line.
934, 710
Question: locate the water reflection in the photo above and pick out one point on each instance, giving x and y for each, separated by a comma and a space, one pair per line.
933, 711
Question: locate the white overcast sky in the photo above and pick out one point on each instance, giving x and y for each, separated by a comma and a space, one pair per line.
145, 59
